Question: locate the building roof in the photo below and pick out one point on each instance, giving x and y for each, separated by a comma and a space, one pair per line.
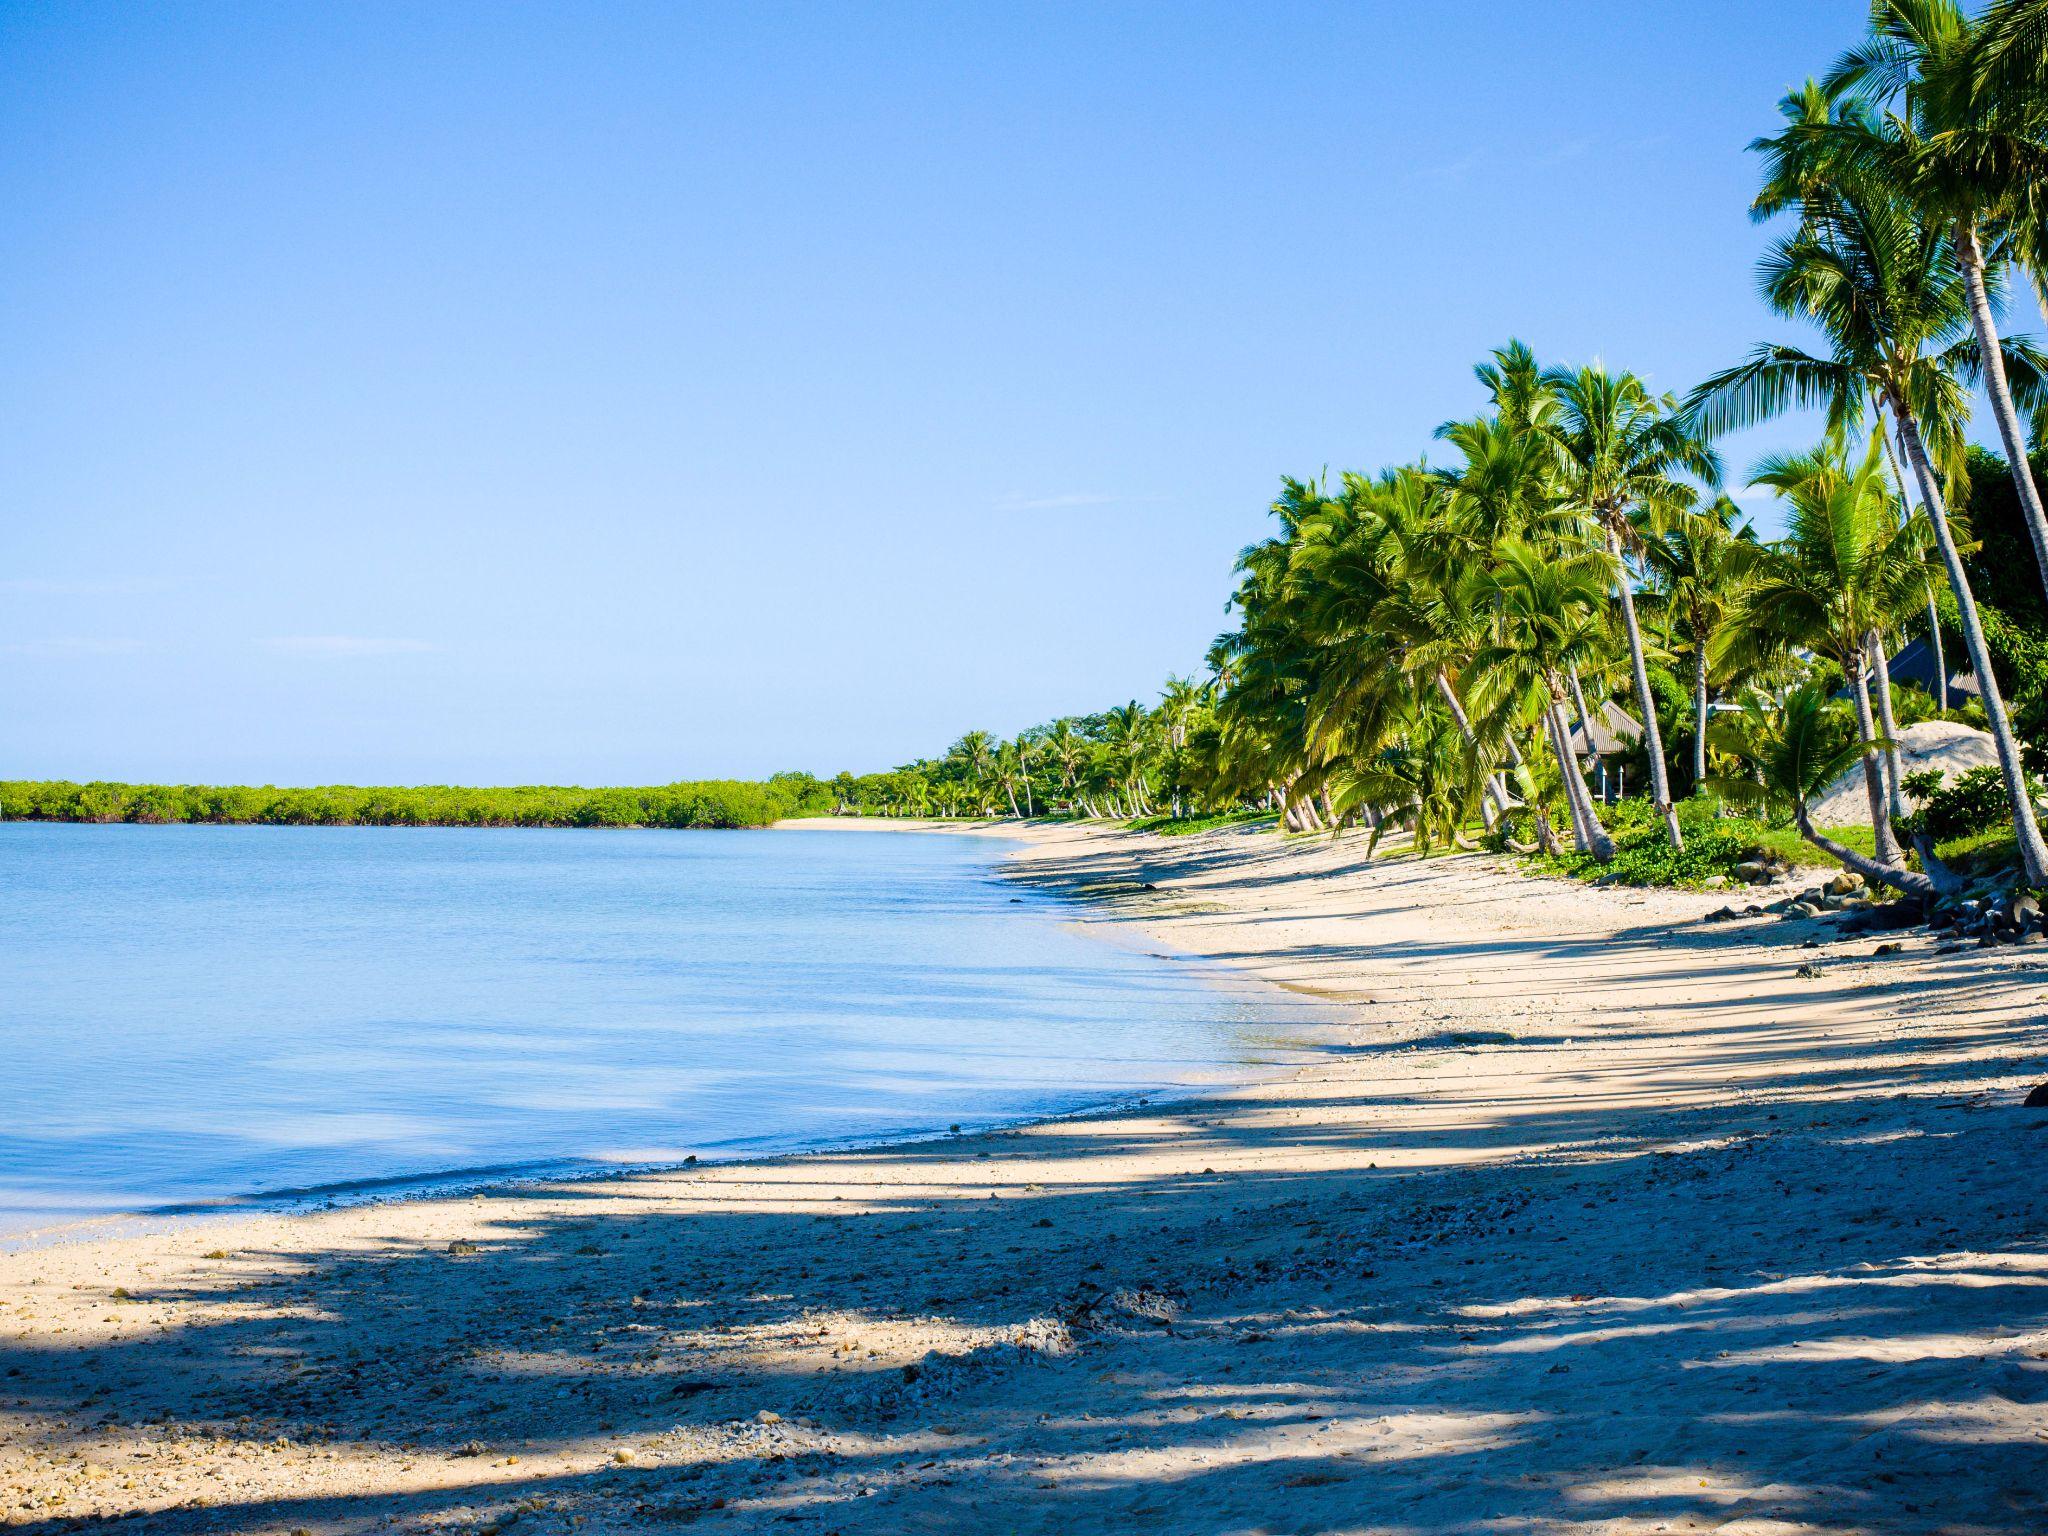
1914, 664
1615, 730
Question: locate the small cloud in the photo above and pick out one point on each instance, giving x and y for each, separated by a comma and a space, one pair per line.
74, 645
105, 586
342, 645
1016, 503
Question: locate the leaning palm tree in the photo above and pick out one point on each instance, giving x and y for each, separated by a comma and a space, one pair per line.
1881, 286
1622, 451
1796, 749
1971, 157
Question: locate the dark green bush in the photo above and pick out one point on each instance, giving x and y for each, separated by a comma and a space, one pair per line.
1973, 801
1714, 845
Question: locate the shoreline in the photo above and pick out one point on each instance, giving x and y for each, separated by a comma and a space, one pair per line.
1574, 1152
455, 1183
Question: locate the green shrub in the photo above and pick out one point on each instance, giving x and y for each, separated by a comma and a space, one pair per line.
1182, 826
1714, 845
1973, 802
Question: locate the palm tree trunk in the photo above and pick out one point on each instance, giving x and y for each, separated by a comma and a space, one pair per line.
1881, 668
1933, 613
1885, 874
1495, 790
1012, 793
1560, 748
1660, 787
1597, 841
1699, 715
2025, 825
1585, 715
1971, 259
1873, 775
1940, 662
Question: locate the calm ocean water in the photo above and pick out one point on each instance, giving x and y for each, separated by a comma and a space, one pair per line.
193, 1014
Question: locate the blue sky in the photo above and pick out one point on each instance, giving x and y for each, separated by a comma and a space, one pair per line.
501, 393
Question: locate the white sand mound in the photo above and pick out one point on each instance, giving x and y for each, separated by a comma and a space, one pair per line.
1931, 744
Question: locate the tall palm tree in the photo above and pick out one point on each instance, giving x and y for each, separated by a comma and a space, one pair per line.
1971, 157
1701, 563
1881, 286
1622, 451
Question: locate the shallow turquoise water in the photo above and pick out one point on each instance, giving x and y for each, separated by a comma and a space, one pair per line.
193, 1014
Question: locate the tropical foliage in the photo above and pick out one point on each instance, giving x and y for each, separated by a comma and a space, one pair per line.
1438, 645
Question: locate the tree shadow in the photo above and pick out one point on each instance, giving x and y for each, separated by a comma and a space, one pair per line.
1734, 1271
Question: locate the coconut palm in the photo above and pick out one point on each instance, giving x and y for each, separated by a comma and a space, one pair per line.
1701, 563
1971, 158
1549, 604
1881, 286
2011, 50
1621, 453
1844, 572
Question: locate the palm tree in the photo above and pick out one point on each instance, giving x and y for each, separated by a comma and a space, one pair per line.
1845, 571
1549, 603
1621, 450
1701, 563
1068, 749
1881, 286
1127, 730
1178, 702
1970, 157
2011, 51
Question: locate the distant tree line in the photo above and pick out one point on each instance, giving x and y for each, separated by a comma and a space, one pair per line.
708, 803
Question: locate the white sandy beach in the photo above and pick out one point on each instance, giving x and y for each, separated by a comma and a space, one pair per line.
1589, 1218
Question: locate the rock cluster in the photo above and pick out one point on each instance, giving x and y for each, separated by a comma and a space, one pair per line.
1992, 919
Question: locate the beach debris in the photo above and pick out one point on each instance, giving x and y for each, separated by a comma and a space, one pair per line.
462, 1247
1809, 971
471, 1448
2038, 1099
624, 1455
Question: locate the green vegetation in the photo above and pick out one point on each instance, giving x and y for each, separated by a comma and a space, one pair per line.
1441, 646
717, 803
1429, 647
1183, 826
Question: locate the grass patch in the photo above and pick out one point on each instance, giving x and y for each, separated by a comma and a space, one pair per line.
1714, 845
1184, 826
